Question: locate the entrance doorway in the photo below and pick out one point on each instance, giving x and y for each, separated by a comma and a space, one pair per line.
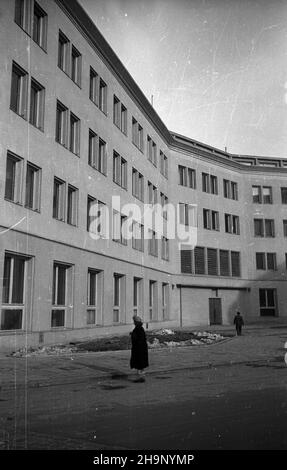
215, 311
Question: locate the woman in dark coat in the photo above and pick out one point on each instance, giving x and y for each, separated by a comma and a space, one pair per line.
139, 353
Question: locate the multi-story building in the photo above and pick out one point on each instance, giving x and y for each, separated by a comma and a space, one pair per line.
76, 131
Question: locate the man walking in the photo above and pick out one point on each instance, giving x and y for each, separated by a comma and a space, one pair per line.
238, 322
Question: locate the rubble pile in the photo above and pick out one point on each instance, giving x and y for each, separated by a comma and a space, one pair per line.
45, 351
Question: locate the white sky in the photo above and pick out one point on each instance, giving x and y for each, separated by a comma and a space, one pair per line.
217, 68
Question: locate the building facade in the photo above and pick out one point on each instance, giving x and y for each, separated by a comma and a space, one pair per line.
77, 134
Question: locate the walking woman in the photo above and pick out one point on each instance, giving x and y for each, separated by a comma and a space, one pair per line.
139, 352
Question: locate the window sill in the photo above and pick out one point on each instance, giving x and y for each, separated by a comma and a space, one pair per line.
28, 34
99, 171
36, 127
20, 115
17, 203
33, 210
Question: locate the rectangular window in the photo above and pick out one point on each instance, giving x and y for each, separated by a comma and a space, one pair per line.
119, 228
138, 236
284, 195
137, 296
94, 297
74, 134
256, 194
230, 189
258, 228
33, 182
97, 153
103, 96
76, 66
165, 301
234, 191
152, 300
224, 263
137, 184
72, 205
210, 219
226, 188
260, 261
19, 91
212, 265
23, 14
119, 170
63, 53
235, 264
199, 260
268, 302
186, 261
117, 111
59, 199
271, 261
269, 228
187, 214
119, 298
94, 86
37, 104
164, 203
40, 20
137, 134
165, 248
285, 228
59, 295
152, 193
151, 151
206, 219
267, 194
13, 180
96, 216
213, 184
61, 124
13, 294
187, 177
152, 244
232, 224
102, 162
124, 119
163, 164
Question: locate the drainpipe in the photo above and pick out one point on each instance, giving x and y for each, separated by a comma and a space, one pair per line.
180, 307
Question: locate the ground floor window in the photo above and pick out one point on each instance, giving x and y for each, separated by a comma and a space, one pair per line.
152, 300
94, 300
61, 294
13, 293
165, 301
119, 298
138, 296
268, 302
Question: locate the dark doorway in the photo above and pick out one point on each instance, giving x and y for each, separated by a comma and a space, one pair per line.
215, 311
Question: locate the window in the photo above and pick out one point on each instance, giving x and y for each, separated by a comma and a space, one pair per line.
165, 248
23, 14
152, 193
137, 185
96, 216
13, 295
63, 53
235, 264
232, 224
285, 228
209, 183
186, 261
72, 205
94, 297
163, 164
256, 194
119, 170
268, 302
33, 181
37, 104
164, 203
269, 228
258, 228
103, 96
267, 194
19, 91
224, 263
230, 189
260, 261
210, 219
212, 265
187, 177
59, 199
152, 300
60, 294
152, 243
120, 115
137, 296
271, 261
74, 134
13, 181
76, 66
284, 195
94, 86
61, 124
165, 300
119, 228
137, 134
151, 151
40, 26
97, 152
187, 214
138, 236
119, 298
199, 260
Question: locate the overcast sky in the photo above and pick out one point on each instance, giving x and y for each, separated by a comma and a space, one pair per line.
217, 69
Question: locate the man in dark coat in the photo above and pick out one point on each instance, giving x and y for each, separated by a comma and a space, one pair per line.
139, 353
238, 322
